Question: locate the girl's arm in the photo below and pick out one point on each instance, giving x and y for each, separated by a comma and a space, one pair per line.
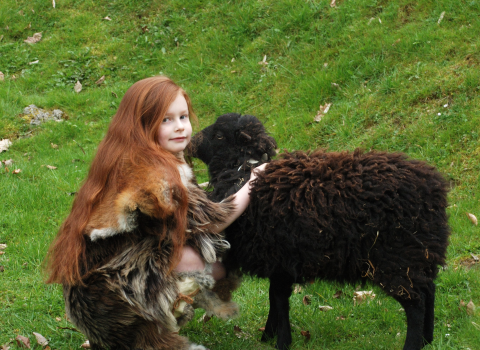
241, 201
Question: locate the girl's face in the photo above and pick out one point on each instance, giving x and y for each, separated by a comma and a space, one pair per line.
175, 131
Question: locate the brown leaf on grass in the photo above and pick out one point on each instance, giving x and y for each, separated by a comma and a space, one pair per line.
17, 171
2, 268
342, 318
325, 308
2, 76
333, 3
298, 289
58, 319
471, 308
204, 319
23, 342
41, 339
101, 80
54, 146
472, 218
475, 258
53, 3
51, 167
114, 95
7, 162
6, 347
28, 26
338, 294
107, 18
239, 333
78, 87
360, 297
322, 111
264, 61
306, 334
262, 329
461, 304
86, 345
307, 300
34, 39
3, 246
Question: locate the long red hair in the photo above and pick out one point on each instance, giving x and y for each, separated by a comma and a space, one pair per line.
131, 141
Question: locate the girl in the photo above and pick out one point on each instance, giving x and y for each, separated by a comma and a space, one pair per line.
140, 229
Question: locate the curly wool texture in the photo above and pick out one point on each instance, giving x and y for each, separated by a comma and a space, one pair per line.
343, 216
128, 293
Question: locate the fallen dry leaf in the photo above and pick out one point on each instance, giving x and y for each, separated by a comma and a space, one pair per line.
322, 111
40, 339
54, 146
338, 294
86, 345
8, 162
325, 308
475, 258
472, 218
4, 144
22, 342
33, 62
264, 61
58, 319
441, 17
101, 80
17, 171
471, 308
34, 39
78, 87
204, 319
342, 318
262, 329
53, 3
298, 289
360, 297
107, 18
51, 167
2, 76
306, 334
13, 77
333, 3
307, 300
461, 304
3, 246
239, 333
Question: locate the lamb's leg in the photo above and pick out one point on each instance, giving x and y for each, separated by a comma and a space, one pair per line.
415, 317
281, 287
428, 323
271, 327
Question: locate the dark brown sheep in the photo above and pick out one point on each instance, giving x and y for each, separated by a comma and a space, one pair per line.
343, 216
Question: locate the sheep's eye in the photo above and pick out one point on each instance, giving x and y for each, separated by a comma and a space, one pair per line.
219, 136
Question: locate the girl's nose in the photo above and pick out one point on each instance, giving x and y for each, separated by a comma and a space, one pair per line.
178, 125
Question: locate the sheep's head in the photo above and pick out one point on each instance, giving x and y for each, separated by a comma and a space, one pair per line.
233, 140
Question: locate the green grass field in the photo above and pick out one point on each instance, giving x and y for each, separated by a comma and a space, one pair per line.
401, 75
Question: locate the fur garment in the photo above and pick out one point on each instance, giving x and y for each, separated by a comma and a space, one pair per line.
128, 293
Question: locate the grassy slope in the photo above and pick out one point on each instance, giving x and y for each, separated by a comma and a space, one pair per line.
395, 72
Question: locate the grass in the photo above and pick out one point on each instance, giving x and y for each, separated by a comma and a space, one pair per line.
405, 83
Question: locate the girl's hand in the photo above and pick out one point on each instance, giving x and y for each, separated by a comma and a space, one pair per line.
256, 171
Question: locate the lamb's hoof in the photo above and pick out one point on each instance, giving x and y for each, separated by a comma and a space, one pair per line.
197, 347
226, 310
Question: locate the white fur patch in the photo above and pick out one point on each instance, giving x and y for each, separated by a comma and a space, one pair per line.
186, 173
196, 347
127, 222
102, 233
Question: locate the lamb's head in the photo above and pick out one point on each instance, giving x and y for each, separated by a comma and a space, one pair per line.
233, 140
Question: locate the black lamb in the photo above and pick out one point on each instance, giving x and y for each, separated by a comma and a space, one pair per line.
340, 216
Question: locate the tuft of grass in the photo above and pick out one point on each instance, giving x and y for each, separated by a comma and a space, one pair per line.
398, 80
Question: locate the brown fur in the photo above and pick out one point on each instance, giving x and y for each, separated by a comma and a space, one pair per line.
126, 298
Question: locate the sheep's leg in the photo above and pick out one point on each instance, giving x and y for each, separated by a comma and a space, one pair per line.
280, 290
428, 323
415, 319
271, 327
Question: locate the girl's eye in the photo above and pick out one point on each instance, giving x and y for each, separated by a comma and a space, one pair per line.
184, 117
165, 120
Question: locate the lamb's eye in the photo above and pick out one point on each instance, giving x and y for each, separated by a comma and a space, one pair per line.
219, 135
